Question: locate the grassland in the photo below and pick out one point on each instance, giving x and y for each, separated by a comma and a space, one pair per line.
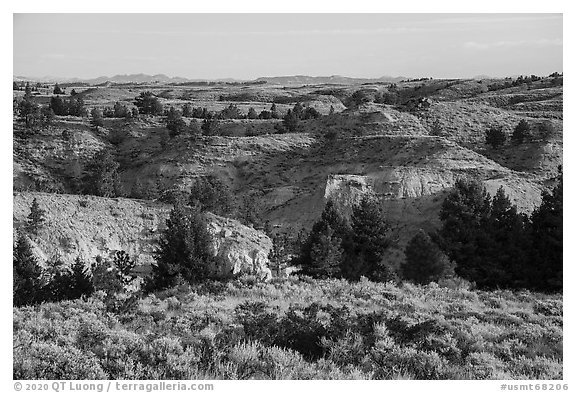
295, 328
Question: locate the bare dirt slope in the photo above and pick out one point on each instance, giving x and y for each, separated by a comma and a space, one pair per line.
88, 226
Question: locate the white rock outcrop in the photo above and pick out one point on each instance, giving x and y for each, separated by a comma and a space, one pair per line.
242, 250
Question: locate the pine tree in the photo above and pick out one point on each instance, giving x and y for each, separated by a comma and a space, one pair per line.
509, 247
547, 237
184, 249
174, 122
59, 106
277, 256
80, 280
495, 137
210, 125
36, 218
97, 118
101, 176
29, 111
148, 104
291, 121
120, 110
187, 110
252, 113
331, 231
521, 132
27, 274
462, 237
57, 89
424, 261
369, 243
274, 112
210, 193
326, 255
46, 116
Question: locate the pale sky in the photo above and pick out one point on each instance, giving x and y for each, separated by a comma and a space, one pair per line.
247, 46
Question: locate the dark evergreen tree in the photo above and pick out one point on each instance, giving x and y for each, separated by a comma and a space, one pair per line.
148, 104
120, 110
265, 115
210, 193
36, 218
27, 274
231, 112
274, 112
101, 176
80, 280
198, 112
424, 261
495, 137
57, 89
331, 110
76, 106
310, 113
331, 223
184, 250
29, 112
46, 116
326, 254
73, 93
96, 118
464, 214
521, 132
252, 114
174, 122
277, 257
370, 241
291, 121
210, 125
187, 110
27, 91
59, 106
509, 247
547, 238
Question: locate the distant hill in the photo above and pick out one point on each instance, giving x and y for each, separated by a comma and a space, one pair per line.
334, 79
162, 78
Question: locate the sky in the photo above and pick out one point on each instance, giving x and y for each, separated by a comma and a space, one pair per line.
247, 46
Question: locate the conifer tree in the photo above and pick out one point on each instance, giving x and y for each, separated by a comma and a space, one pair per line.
174, 122
326, 255
27, 274
252, 113
521, 132
184, 249
369, 243
465, 212
424, 261
547, 237
80, 280
36, 218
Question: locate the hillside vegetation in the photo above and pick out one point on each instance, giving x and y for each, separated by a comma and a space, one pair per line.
296, 329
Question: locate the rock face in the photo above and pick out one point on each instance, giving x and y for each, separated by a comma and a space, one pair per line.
87, 226
241, 250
